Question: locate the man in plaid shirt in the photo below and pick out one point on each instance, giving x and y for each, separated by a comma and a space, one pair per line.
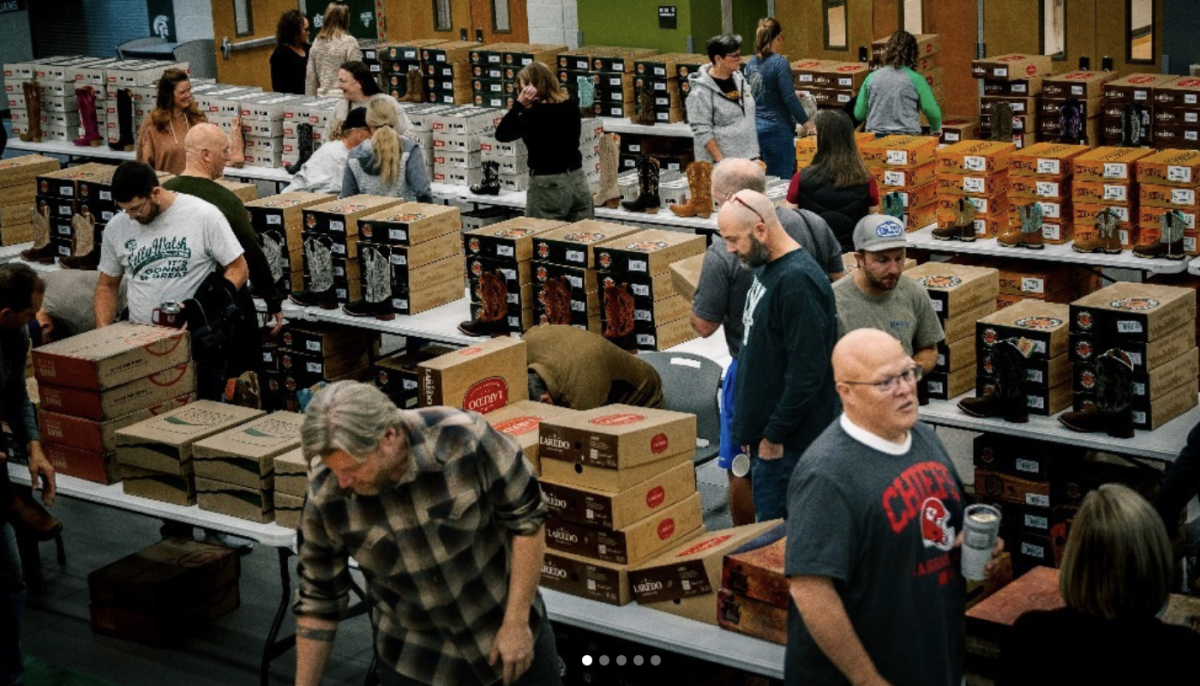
445, 518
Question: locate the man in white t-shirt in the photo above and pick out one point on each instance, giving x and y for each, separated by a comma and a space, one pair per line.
166, 242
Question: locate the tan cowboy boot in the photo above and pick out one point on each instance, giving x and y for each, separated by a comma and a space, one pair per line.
700, 201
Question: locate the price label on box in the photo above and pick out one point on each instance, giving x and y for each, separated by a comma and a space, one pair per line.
1047, 166
973, 184
1116, 170
1179, 174
975, 163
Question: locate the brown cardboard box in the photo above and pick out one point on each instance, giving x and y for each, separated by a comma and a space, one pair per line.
246, 192
253, 504
1043, 323
435, 295
634, 544
117, 402
521, 420
978, 185
947, 385
1010, 488
996, 206
955, 355
1109, 164
927, 44
1103, 193
411, 223
97, 467
648, 252
287, 510
114, 355
1081, 85
22, 171
1047, 190
320, 338
1031, 279
1086, 214
618, 436
751, 617
1135, 88
98, 436
684, 580
244, 455
342, 216
974, 157
1050, 160
685, 276
963, 325
755, 570
1165, 407
588, 476
958, 129
1183, 93
291, 473
283, 210
1180, 168
609, 511
989, 623
606, 582
165, 443
1134, 311
482, 378
904, 178
1149, 385
956, 288
805, 71
168, 488
1154, 195
908, 152
1086, 347
1014, 67
573, 244
510, 240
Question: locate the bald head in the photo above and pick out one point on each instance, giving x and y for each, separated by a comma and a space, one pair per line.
861, 351
751, 229
734, 174
207, 151
863, 359
205, 137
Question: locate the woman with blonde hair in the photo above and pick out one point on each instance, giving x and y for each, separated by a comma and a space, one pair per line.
1115, 578
333, 47
160, 140
387, 163
777, 107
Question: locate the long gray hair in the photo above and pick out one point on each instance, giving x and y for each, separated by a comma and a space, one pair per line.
349, 416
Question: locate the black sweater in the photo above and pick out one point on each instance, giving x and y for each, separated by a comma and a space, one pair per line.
550, 132
287, 70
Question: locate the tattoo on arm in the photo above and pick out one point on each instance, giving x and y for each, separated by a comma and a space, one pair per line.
322, 635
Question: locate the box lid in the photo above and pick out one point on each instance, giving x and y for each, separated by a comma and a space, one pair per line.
110, 356
693, 567
188, 424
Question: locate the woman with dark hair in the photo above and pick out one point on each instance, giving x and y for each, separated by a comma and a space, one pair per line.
160, 140
777, 107
289, 62
359, 88
837, 185
547, 118
1115, 579
893, 95
333, 47
720, 109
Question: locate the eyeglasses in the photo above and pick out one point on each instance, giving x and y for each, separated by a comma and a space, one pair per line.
889, 385
734, 56
743, 204
137, 212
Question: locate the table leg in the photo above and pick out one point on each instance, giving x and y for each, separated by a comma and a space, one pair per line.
274, 648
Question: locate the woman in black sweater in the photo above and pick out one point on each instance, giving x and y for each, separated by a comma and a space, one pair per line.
290, 59
547, 119
1115, 576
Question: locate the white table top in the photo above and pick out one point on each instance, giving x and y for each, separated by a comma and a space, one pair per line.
114, 496
624, 125
105, 153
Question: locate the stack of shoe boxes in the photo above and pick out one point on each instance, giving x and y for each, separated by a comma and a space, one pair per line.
95, 383
90, 74
291, 485
511, 160
1072, 107
18, 191
303, 127
488, 85
330, 239
483, 378
456, 140
620, 486
374, 54
1011, 84
565, 276
59, 109
396, 374
972, 189
806, 150
262, 127
235, 470
639, 307
58, 199
754, 598
403, 58
94, 202
1040, 176
156, 454
1129, 109
656, 82
1148, 327
1168, 193
613, 75
1177, 114
279, 221
573, 65
1053, 282
1047, 367
135, 81
17, 77
1106, 179
315, 352
448, 72
929, 47
835, 84
522, 420
904, 164
411, 257
422, 117
958, 129
223, 107
500, 271
961, 296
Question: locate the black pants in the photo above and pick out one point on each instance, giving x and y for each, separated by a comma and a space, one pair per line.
1181, 482
545, 670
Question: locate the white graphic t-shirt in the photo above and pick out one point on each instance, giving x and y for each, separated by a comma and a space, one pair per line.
168, 258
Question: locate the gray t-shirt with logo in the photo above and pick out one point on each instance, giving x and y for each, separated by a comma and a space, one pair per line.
905, 312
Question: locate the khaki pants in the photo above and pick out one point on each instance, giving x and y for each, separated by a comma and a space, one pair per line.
559, 196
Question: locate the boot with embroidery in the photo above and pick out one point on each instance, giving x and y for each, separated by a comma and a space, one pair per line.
647, 200
1133, 125
490, 185
1070, 123
304, 147
1113, 410
237, 144
1000, 115
618, 306
85, 254
43, 251
893, 205
491, 315
1007, 401
555, 297
1107, 238
1170, 240
318, 261
587, 96
377, 287
85, 98
125, 139
700, 200
33, 106
963, 228
416, 87
1026, 234
609, 193
644, 105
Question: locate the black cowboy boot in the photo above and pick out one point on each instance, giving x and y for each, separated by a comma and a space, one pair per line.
304, 147
1008, 400
1113, 410
647, 200
490, 185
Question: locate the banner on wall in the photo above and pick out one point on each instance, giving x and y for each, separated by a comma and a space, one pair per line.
162, 19
10, 6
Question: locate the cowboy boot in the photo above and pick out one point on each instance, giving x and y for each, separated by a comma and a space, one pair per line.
125, 139
1131, 126
647, 200
1029, 233
609, 193
1113, 410
1000, 114
84, 254
42, 251
1070, 123
1170, 240
700, 201
893, 205
491, 317
86, 99
644, 112
318, 260
618, 308
587, 96
33, 105
1010, 237
1107, 238
555, 297
237, 145
304, 147
1008, 400
416, 87
963, 227
490, 185
377, 288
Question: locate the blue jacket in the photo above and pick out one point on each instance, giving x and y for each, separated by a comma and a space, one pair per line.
774, 92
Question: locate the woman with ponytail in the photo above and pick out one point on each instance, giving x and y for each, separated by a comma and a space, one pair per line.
778, 109
388, 163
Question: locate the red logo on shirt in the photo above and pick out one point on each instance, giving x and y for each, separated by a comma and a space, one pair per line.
907, 498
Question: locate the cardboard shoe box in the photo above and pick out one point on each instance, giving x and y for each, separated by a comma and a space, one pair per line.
573, 244
1085, 348
637, 542
1046, 160
956, 288
410, 224
245, 454
1013, 67
1135, 88
1043, 323
1133, 312
342, 216
98, 436
975, 157
648, 252
522, 420
510, 240
1147, 385
615, 437
606, 582
614, 511
112, 403
288, 509
1081, 85
481, 378
164, 444
111, 356
1109, 164
947, 385
755, 570
284, 212
899, 151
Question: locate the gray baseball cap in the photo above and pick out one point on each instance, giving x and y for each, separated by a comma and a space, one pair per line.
878, 232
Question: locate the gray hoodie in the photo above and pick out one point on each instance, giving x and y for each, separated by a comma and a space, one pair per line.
712, 115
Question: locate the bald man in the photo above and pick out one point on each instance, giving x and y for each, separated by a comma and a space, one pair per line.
721, 296
784, 391
875, 508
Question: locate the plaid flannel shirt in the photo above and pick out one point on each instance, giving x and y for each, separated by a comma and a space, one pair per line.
434, 548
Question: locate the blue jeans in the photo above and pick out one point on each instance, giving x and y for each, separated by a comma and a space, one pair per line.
777, 146
770, 479
12, 602
729, 447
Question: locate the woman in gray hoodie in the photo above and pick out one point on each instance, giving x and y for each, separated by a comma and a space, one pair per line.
720, 108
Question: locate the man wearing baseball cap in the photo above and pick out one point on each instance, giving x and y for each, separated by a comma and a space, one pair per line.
876, 297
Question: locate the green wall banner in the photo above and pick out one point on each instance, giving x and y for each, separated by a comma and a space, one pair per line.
162, 19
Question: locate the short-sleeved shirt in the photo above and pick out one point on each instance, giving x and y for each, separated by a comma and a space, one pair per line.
724, 282
170, 257
881, 526
905, 312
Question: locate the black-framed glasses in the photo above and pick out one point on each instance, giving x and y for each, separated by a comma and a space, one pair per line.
743, 204
889, 385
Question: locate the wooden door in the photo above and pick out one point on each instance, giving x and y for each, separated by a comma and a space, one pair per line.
444, 19
247, 67
1131, 33
499, 21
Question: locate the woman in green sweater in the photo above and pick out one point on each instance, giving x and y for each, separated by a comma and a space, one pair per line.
893, 95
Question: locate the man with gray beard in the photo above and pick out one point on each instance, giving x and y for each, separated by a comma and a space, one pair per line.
785, 395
